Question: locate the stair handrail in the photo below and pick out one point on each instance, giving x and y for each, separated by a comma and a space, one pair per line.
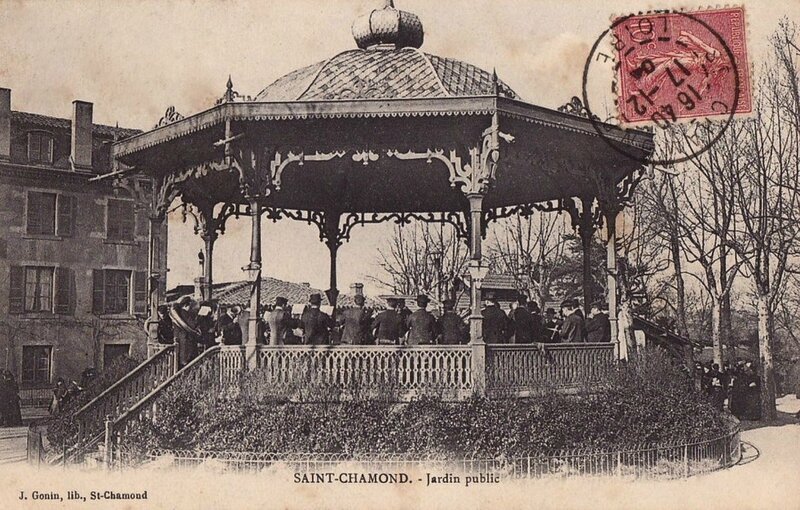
117, 423
167, 351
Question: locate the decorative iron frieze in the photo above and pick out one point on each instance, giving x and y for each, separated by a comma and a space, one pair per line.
170, 116
280, 162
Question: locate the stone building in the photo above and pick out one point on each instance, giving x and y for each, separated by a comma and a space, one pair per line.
74, 254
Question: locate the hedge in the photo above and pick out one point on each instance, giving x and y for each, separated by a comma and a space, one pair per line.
648, 400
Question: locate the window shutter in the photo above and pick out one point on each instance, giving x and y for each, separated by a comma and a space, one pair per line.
66, 215
128, 221
34, 214
16, 294
140, 293
98, 284
64, 285
34, 147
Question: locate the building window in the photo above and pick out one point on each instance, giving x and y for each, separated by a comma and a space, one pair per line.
112, 352
115, 290
40, 147
36, 289
120, 220
36, 361
50, 214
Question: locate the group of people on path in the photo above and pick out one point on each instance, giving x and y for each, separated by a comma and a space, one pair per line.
10, 409
739, 384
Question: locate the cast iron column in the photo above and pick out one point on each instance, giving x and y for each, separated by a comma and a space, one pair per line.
254, 272
331, 234
586, 231
611, 267
476, 257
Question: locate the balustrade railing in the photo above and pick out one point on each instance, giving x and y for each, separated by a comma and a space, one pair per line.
525, 369
129, 390
403, 371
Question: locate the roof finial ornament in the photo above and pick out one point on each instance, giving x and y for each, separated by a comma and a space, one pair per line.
388, 28
495, 88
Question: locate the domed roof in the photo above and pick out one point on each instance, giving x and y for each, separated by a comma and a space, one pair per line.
388, 65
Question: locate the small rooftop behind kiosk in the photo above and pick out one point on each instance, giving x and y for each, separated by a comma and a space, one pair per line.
384, 132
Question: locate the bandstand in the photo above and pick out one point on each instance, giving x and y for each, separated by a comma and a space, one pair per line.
386, 132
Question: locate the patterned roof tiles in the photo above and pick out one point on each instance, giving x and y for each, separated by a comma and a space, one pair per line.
58, 123
405, 73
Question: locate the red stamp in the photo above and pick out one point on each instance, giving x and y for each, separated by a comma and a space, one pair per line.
676, 65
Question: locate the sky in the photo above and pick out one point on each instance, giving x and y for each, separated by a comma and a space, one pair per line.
133, 59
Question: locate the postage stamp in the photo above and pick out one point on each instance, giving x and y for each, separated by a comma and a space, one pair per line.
674, 66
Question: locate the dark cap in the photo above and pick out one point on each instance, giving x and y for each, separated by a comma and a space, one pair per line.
423, 300
315, 299
522, 299
185, 300
489, 296
449, 304
599, 304
359, 299
281, 301
570, 303
550, 311
163, 309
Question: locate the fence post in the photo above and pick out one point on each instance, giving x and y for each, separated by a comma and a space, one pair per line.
109, 443
686, 461
478, 368
618, 470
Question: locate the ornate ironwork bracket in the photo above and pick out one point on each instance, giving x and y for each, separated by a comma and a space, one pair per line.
205, 223
476, 176
170, 116
280, 162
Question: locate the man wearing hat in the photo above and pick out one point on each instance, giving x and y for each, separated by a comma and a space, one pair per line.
404, 312
552, 325
598, 327
356, 322
421, 324
387, 326
164, 330
573, 329
539, 334
522, 322
228, 326
452, 329
314, 322
495, 321
279, 320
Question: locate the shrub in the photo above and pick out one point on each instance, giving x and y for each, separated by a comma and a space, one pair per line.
647, 400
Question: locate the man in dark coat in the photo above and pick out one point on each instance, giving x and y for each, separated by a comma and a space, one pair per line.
280, 322
538, 323
314, 322
388, 325
495, 321
229, 328
421, 324
452, 329
356, 322
185, 330
522, 325
206, 323
552, 325
10, 411
573, 329
164, 330
598, 327
404, 314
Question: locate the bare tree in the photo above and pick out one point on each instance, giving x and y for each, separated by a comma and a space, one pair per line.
532, 250
767, 189
421, 258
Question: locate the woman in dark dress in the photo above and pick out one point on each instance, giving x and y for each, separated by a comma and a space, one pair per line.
9, 396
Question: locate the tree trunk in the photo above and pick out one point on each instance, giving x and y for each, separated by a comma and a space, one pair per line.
680, 285
725, 310
716, 307
766, 370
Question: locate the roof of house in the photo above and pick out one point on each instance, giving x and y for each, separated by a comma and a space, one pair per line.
238, 293
59, 123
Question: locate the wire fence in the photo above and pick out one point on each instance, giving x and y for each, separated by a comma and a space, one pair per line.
669, 461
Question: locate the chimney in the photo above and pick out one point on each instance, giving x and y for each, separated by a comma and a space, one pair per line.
305, 284
357, 289
5, 124
81, 154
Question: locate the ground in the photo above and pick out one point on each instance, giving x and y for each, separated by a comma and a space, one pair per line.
767, 478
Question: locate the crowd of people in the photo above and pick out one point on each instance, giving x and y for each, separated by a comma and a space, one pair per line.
739, 384
10, 409
195, 326
65, 392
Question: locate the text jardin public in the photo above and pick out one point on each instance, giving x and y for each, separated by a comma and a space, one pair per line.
387, 478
